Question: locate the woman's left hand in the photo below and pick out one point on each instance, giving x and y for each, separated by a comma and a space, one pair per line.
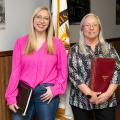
103, 98
47, 96
106, 95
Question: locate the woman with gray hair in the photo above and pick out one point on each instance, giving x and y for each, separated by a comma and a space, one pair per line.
83, 100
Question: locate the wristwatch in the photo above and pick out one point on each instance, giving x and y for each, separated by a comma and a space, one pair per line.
88, 96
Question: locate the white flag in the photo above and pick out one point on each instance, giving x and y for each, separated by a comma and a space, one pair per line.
60, 20
61, 27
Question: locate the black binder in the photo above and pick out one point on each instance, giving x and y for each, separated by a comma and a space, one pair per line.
23, 98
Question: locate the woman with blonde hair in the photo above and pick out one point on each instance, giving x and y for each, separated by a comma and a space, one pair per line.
83, 100
39, 60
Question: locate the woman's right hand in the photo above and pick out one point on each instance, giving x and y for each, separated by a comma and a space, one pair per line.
13, 107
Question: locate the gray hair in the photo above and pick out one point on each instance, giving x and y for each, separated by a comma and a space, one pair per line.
101, 39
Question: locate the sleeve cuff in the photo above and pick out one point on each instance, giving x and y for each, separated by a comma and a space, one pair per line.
11, 101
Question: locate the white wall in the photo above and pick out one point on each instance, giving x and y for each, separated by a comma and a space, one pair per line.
106, 10
18, 15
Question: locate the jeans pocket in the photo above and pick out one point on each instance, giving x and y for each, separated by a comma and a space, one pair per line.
41, 89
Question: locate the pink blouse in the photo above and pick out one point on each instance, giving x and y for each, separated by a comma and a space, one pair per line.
37, 68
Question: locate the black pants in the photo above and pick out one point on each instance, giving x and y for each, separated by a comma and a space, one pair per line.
98, 114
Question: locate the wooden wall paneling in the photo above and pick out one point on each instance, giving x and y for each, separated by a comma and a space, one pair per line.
116, 44
0, 90
5, 68
8, 62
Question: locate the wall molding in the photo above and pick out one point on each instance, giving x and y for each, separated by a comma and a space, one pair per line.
9, 53
6, 53
110, 40
113, 39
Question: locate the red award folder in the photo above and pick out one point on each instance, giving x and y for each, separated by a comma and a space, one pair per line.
101, 73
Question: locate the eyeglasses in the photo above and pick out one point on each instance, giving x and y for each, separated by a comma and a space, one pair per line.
90, 26
41, 18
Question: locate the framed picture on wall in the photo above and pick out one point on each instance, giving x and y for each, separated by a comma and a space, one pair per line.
77, 9
2, 14
118, 12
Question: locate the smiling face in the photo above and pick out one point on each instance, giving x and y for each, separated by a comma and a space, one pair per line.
91, 28
41, 21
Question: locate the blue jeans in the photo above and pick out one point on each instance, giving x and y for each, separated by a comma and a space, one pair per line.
43, 110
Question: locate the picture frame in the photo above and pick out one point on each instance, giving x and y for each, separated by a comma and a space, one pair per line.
77, 9
118, 12
2, 14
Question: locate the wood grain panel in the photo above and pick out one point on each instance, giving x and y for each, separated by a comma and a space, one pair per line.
116, 44
5, 68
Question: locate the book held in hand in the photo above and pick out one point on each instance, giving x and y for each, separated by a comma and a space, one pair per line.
101, 73
23, 98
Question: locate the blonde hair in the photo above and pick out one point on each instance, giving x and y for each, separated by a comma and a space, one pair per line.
30, 46
101, 39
